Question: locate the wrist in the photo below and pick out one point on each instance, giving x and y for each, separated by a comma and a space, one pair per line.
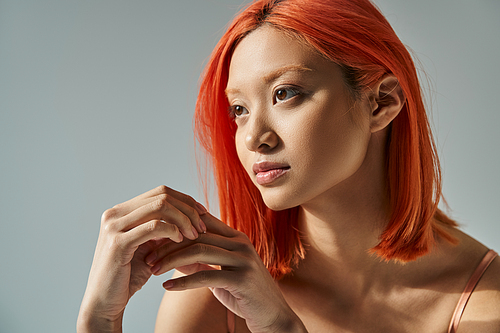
88, 323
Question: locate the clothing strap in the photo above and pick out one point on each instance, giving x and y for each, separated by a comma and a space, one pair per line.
231, 323
459, 310
469, 288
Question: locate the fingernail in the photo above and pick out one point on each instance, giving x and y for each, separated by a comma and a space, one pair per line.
150, 258
168, 284
195, 233
181, 238
203, 227
155, 268
200, 209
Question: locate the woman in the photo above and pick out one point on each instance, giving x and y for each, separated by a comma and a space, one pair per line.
313, 121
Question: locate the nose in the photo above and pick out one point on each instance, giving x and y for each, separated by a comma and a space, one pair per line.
260, 136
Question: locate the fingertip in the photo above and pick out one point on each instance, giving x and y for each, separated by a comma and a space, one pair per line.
195, 232
156, 268
151, 258
200, 208
180, 238
203, 227
168, 284
192, 234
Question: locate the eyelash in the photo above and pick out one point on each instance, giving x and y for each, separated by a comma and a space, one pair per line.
233, 111
236, 111
295, 92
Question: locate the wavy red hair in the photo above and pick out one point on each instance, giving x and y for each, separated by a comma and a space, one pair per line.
355, 35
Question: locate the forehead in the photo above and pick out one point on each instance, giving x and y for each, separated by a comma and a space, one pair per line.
267, 52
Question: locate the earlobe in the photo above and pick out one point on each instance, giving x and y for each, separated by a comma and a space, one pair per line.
386, 100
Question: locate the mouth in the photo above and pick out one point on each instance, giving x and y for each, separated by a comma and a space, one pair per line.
268, 172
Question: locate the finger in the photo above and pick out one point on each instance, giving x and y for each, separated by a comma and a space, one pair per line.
197, 253
168, 195
160, 208
185, 204
193, 268
205, 278
159, 242
230, 244
190, 211
150, 231
156, 243
182, 202
128, 206
188, 200
190, 207
215, 225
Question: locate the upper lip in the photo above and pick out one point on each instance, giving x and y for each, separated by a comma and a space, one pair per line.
266, 166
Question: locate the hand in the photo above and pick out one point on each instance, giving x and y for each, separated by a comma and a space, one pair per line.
129, 232
242, 284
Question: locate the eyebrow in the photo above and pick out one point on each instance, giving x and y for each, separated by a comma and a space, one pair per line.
276, 74
282, 70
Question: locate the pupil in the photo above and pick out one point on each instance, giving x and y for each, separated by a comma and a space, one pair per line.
281, 94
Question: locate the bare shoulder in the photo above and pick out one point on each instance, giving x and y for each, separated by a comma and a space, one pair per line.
195, 310
482, 313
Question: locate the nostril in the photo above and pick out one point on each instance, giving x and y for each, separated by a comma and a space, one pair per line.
264, 145
259, 134
268, 140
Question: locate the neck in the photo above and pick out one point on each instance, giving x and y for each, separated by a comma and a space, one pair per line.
341, 226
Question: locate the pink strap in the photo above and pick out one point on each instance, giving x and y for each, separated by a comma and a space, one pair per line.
231, 323
469, 288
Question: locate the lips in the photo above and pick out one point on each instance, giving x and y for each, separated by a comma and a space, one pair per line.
267, 172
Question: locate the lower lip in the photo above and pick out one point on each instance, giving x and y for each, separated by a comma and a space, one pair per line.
269, 176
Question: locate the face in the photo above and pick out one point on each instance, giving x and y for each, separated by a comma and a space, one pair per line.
299, 132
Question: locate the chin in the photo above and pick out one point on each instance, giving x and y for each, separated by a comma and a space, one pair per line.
277, 202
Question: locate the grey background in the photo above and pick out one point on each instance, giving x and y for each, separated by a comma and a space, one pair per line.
96, 101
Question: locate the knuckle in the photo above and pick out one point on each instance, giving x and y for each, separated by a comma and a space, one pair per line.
153, 225
117, 243
245, 246
244, 237
190, 200
203, 277
186, 222
109, 221
193, 211
253, 265
172, 228
108, 215
200, 249
162, 189
160, 203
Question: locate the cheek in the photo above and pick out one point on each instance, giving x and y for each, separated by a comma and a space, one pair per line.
335, 148
238, 141
241, 149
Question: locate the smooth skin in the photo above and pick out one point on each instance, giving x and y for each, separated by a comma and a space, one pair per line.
291, 107
129, 232
335, 149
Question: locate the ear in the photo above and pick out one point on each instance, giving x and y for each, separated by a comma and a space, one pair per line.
386, 100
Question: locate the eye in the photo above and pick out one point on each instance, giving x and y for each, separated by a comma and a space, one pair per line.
283, 94
236, 111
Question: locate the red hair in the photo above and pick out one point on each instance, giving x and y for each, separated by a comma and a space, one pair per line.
355, 35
